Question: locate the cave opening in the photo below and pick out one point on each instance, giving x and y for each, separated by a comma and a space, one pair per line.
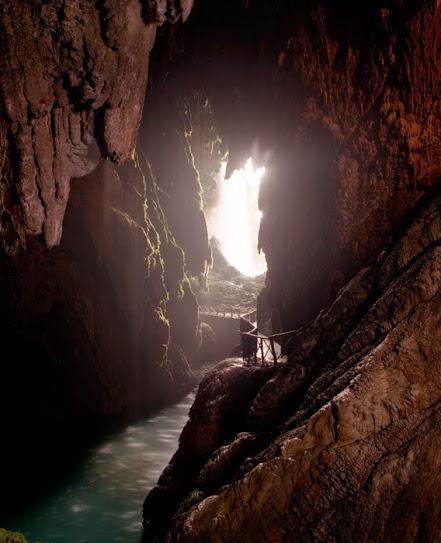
134, 202
234, 222
237, 270
227, 294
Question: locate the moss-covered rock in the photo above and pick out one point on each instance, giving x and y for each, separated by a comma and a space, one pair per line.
11, 537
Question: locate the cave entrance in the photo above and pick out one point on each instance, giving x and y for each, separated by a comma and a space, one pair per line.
238, 270
233, 224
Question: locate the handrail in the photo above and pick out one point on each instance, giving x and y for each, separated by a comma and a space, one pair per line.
272, 336
228, 313
256, 346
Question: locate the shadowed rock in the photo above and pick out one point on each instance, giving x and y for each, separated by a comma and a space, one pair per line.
358, 439
65, 74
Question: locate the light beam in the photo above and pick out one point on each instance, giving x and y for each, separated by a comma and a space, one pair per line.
235, 221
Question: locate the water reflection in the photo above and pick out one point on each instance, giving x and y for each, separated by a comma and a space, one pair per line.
103, 502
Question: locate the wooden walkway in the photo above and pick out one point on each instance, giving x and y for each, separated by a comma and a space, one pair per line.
231, 313
260, 349
256, 348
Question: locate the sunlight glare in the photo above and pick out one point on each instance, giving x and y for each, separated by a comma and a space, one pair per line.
235, 221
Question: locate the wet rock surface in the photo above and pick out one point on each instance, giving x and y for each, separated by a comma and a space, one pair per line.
93, 328
218, 414
65, 74
98, 319
352, 453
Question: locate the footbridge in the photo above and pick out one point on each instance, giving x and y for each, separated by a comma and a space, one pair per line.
256, 348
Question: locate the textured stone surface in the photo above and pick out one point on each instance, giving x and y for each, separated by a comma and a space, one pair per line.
165, 134
66, 71
371, 87
342, 106
102, 325
353, 453
364, 133
99, 322
65, 74
344, 101
216, 416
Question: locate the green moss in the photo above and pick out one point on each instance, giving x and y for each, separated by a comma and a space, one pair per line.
164, 251
11, 537
163, 320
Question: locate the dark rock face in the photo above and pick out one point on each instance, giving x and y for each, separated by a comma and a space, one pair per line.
341, 443
216, 416
344, 100
363, 135
356, 439
164, 135
94, 327
98, 317
65, 74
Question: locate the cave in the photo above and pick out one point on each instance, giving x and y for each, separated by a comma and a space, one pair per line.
219, 281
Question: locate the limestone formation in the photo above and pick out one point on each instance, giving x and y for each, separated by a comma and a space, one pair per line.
98, 319
102, 225
341, 104
73, 80
352, 453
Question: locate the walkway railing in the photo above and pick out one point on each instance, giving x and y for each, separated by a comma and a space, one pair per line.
259, 348
231, 313
256, 348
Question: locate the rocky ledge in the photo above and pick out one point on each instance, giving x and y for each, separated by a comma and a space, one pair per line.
351, 452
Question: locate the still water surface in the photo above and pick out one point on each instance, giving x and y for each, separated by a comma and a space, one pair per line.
101, 502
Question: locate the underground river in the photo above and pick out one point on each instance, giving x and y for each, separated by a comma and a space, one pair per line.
101, 500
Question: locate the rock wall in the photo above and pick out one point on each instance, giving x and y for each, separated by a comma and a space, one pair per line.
100, 324
166, 136
65, 75
364, 144
341, 442
349, 450
98, 318
341, 104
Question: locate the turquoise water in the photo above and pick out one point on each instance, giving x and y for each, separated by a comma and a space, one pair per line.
101, 502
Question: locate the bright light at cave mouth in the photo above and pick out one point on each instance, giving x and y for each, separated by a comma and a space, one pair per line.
236, 219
